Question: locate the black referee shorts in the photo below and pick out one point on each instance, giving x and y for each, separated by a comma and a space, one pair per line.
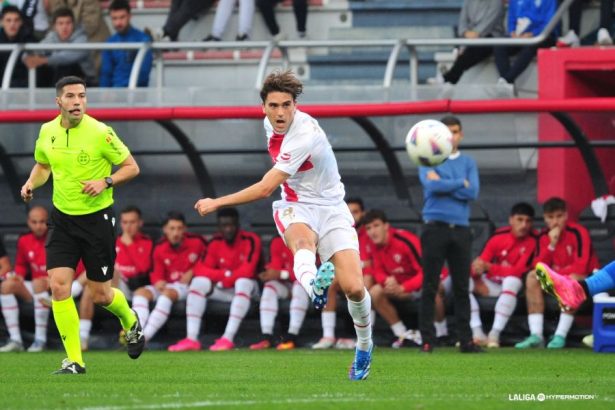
88, 237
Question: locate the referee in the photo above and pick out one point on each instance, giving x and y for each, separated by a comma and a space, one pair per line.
79, 151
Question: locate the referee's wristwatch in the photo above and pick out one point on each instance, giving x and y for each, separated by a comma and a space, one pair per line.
109, 182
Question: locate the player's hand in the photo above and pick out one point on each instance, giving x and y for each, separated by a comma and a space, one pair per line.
390, 282
160, 285
27, 192
206, 206
269, 275
93, 188
394, 290
433, 176
186, 277
554, 234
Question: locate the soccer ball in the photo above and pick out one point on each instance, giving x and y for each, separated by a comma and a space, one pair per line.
429, 143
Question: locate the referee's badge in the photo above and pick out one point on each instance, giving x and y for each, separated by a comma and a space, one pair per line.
83, 158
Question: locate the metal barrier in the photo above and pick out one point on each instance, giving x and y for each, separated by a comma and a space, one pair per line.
395, 45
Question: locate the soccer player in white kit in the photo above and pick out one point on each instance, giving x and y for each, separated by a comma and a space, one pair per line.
312, 215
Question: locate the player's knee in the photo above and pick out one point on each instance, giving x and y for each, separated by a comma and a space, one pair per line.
9, 286
244, 285
355, 291
512, 284
201, 284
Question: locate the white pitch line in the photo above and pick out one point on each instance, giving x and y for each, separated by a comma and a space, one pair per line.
211, 403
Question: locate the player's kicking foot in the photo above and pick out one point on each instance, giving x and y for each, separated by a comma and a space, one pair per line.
69, 367
135, 340
360, 367
569, 293
320, 284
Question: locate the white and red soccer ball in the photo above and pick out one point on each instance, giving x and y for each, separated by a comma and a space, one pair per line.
429, 143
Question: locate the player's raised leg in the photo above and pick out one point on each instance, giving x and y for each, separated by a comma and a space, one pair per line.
302, 242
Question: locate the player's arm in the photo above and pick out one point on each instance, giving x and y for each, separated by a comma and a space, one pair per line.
583, 255
260, 190
38, 176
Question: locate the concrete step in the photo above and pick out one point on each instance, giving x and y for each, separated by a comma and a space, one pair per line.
384, 13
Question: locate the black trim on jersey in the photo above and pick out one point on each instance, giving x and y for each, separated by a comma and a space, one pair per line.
410, 245
576, 233
252, 246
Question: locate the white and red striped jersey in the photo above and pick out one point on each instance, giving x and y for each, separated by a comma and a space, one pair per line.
306, 155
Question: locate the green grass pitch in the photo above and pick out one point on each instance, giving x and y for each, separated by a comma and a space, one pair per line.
306, 379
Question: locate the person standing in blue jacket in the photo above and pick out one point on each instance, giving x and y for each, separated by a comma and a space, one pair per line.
117, 64
448, 190
526, 19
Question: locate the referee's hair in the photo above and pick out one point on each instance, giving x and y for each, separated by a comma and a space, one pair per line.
228, 212
131, 208
68, 80
174, 216
374, 214
522, 208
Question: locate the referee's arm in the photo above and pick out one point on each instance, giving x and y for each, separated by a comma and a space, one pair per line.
38, 176
128, 169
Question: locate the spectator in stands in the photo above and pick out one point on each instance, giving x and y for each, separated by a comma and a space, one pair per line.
329, 312
396, 270
133, 262
499, 270
174, 258
571, 39
567, 247
223, 15
65, 62
526, 19
300, 8
448, 190
117, 64
29, 282
227, 274
13, 31
280, 283
34, 15
89, 16
478, 19
181, 12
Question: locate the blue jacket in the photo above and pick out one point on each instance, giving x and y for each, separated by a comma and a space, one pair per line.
117, 64
538, 11
447, 199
